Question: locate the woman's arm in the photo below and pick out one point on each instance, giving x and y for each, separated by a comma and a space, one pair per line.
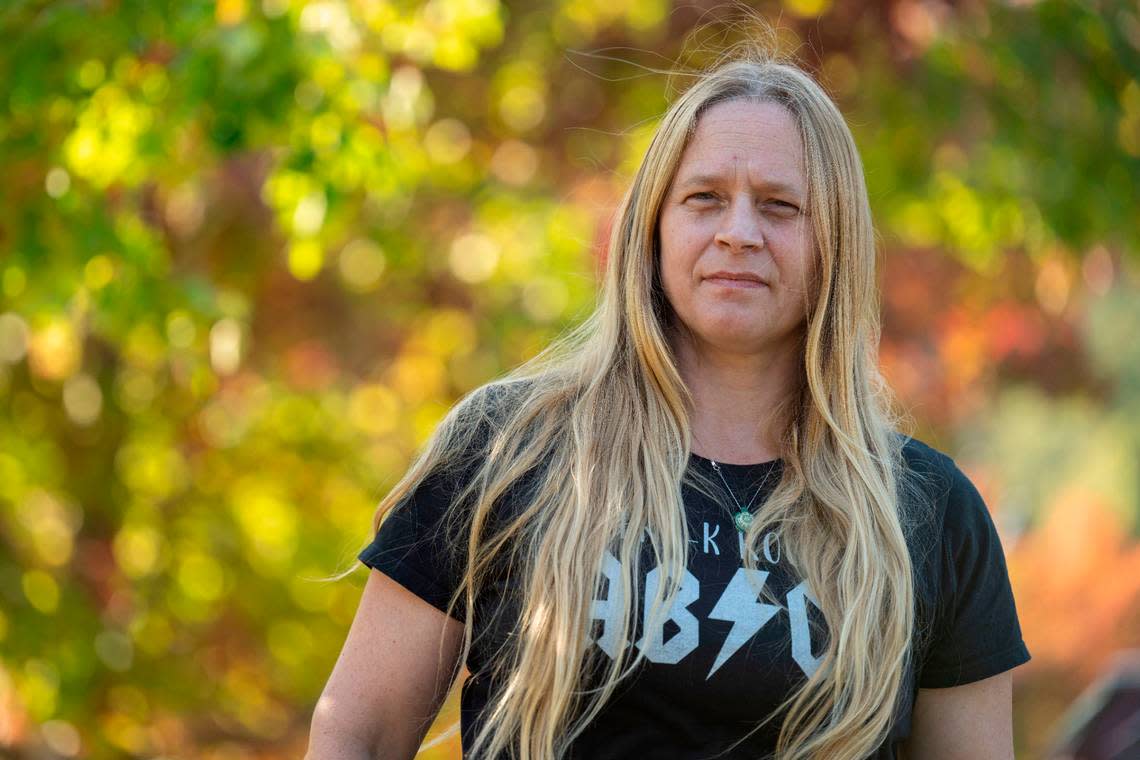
963, 722
389, 681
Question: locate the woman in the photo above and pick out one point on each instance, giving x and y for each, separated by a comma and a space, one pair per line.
690, 528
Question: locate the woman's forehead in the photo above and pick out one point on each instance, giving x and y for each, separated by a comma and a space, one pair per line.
744, 136
748, 119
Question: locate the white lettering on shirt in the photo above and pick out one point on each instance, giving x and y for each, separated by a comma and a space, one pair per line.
684, 640
739, 603
801, 630
608, 610
709, 539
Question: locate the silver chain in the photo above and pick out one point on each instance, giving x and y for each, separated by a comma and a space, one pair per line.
743, 517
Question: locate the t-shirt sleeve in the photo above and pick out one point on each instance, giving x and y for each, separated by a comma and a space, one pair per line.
975, 633
421, 542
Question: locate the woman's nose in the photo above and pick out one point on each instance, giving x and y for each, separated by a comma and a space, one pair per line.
740, 227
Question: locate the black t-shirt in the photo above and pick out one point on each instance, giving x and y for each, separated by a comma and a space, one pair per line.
726, 656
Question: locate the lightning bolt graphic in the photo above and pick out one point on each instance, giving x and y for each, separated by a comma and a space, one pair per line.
739, 604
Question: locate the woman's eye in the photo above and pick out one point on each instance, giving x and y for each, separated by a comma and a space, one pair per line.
784, 205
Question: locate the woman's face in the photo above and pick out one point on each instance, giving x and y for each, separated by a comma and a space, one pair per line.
736, 248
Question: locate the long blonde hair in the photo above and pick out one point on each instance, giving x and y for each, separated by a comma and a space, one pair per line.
600, 425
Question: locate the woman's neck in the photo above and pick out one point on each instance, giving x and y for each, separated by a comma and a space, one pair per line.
735, 399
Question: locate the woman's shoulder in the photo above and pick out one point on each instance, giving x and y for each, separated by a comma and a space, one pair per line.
935, 470
489, 405
472, 438
947, 499
479, 415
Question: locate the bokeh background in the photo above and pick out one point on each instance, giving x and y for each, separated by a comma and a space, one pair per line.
252, 250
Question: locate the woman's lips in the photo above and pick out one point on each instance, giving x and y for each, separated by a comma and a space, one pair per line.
731, 283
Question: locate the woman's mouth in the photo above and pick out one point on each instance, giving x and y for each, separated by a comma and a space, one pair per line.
732, 282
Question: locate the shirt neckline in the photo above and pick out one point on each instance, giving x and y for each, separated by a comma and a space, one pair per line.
738, 467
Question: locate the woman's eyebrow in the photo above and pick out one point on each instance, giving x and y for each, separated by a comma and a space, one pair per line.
712, 179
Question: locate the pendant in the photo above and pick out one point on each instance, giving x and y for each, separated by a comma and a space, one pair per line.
743, 520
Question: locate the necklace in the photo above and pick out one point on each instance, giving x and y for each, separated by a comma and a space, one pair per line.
743, 517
